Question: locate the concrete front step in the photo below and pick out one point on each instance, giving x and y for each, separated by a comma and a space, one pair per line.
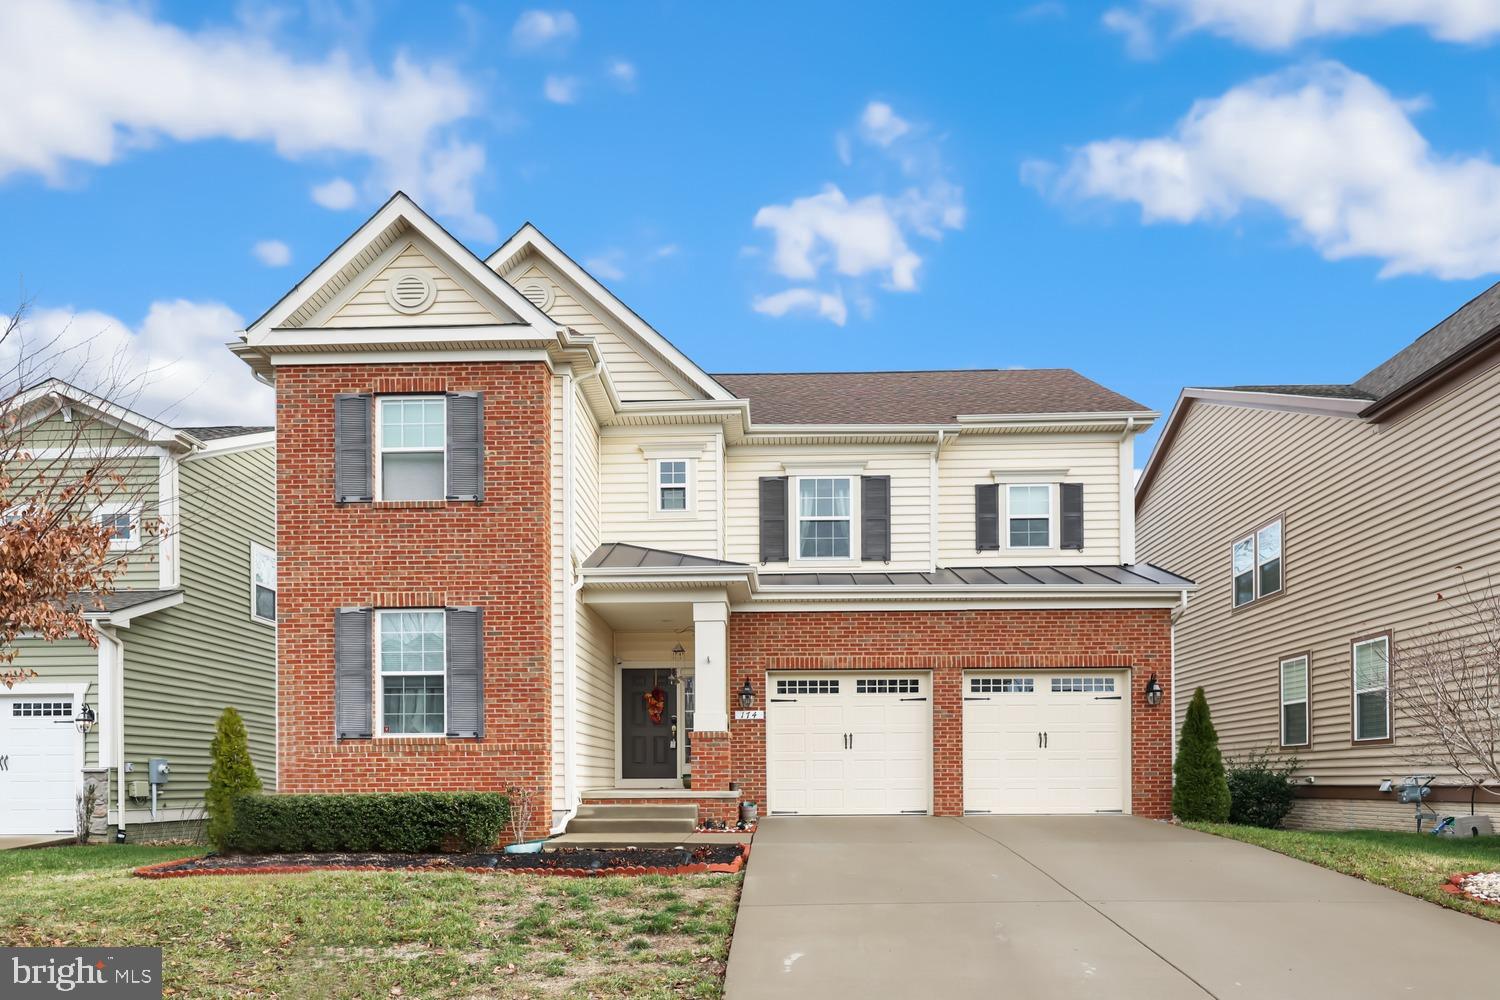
632, 824
609, 840
610, 810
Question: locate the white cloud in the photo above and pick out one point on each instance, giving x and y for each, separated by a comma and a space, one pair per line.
666, 250
623, 73
854, 238
1140, 39
337, 194
536, 29
830, 306
561, 89
881, 125
608, 265
1327, 148
108, 80
174, 364
1279, 24
272, 253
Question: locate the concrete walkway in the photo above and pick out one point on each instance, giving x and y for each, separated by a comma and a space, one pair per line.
10, 842
1102, 907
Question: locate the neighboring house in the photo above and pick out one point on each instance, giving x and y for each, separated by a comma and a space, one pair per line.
525, 541
189, 629
1321, 522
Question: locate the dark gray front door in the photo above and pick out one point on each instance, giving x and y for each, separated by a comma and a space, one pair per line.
646, 749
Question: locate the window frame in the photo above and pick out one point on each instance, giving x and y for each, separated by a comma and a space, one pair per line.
1253, 538
257, 548
1006, 517
112, 510
1354, 690
380, 448
379, 685
1282, 703
689, 487
794, 546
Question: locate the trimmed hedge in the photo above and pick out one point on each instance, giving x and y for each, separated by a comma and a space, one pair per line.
1261, 789
407, 822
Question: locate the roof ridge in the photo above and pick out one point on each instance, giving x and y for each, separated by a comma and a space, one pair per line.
903, 371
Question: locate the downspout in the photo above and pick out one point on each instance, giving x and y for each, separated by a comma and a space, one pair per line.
1177, 613
932, 503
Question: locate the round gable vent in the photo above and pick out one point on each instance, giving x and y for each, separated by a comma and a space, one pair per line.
410, 291
538, 292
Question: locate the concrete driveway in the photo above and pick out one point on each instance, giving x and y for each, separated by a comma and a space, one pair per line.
1053, 906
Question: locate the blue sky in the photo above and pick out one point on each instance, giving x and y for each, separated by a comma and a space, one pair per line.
1157, 193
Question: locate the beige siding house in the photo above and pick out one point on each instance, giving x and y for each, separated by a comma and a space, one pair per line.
1321, 522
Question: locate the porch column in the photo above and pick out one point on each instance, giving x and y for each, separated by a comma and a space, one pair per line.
711, 666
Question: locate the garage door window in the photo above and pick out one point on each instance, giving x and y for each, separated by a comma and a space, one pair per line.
1083, 685
807, 686
887, 685
42, 709
1002, 685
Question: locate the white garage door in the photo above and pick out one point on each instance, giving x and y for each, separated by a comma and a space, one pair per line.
1046, 742
38, 764
849, 744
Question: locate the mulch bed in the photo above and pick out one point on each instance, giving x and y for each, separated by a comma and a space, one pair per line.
577, 862
1481, 887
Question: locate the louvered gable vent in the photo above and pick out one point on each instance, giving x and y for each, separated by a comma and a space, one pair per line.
410, 291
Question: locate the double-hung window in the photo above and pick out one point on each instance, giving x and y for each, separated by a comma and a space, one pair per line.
825, 517
1256, 564
124, 524
1294, 718
1028, 516
671, 485
411, 447
412, 654
262, 583
1372, 689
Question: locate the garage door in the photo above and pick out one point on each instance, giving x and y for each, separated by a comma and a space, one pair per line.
849, 744
38, 766
1046, 742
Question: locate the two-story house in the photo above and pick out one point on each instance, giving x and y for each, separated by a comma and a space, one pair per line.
189, 629
526, 541
1334, 530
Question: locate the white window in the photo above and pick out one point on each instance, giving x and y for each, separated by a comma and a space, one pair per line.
413, 677
1294, 720
672, 485
1256, 564
1372, 689
1028, 516
411, 443
124, 522
825, 517
262, 583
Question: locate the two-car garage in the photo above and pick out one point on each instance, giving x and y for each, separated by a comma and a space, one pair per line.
1038, 741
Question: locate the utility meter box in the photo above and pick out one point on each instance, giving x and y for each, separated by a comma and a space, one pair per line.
158, 770
138, 789
1470, 826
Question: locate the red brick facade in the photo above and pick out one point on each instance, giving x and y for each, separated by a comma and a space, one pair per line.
948, 643
495, 554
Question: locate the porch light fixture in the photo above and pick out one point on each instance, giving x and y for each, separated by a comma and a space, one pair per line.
678, 652
85, 720
747, 694
1153, 691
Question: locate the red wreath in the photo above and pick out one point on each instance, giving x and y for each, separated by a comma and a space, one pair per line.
656, 704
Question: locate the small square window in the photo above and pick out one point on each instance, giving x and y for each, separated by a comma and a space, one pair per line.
124, 524
672, 485
262, 583
1028, 517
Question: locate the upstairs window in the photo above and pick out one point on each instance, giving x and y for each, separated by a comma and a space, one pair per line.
411, 447
1256, 564
1372, 689
1028, 516
825, 516
672, 485
262, 583
124, 524
1294, 720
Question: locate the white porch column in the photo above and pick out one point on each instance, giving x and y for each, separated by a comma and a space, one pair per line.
711, 666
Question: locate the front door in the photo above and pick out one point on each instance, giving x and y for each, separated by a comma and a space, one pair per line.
647, 746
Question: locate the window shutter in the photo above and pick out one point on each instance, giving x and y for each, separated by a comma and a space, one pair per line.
1072, 515
465, 672
773, 503
987, 517
875, 518
352, 481
353, 673
465, 446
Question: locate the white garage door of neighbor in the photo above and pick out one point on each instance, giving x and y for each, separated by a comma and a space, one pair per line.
849, 744
38, 764
1046, 742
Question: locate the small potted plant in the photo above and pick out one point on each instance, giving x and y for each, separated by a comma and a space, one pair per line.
521, 800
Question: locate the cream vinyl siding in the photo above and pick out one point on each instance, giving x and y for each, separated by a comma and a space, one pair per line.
454, 305
626, 487
910, 472
631, 365
597, 707
1090, 459
586, 521
1376, 520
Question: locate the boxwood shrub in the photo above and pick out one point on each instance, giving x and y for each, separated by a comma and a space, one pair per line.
415, 822
1261, 789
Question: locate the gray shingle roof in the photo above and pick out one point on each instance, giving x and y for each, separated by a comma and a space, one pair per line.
919, 397
122, 600
622, 555
1334, 391
1138, 575
223, 431
1475, 321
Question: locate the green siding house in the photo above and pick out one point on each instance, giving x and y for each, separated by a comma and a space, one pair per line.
189, 629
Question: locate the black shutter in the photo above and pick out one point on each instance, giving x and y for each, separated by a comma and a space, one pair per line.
773, 540
987, 517
352, 457
1072, 515
353, 673
875, 518
465, 672
465, 446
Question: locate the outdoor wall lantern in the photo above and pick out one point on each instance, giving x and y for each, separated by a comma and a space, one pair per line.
678, 653
747, 694
1153, 691
85, 720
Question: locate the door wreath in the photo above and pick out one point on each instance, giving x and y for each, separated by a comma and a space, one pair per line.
656, 704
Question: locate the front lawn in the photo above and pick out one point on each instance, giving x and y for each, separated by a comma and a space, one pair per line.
367, 934
1416, 864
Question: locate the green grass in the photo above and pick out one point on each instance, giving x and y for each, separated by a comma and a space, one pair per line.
1416, 864
362, 934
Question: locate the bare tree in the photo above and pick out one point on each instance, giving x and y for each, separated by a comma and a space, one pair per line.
1449, 686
